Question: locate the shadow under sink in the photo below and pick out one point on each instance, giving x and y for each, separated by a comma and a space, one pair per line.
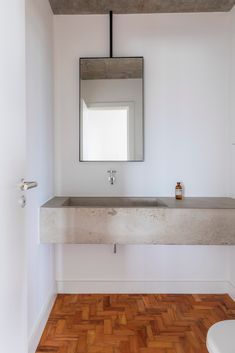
113, 202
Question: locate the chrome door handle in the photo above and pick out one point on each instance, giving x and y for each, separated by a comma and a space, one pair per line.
26, 185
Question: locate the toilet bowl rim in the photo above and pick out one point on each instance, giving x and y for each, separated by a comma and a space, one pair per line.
217, 324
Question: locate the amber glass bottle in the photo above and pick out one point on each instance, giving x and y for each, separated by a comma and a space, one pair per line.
179, 191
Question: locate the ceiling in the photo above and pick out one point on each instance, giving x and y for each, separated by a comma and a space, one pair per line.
111, 68
60, 7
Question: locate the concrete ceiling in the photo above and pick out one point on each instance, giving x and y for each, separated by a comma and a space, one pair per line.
138, 6
111, 68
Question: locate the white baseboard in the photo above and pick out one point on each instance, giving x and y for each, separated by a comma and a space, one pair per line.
231, 290
191, 287
40, 324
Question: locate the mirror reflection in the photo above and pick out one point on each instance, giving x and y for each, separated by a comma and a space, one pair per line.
111, 109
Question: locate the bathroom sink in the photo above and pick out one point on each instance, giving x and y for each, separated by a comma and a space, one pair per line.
138, 220
113, 202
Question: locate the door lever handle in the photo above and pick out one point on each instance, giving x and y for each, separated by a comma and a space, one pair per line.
26, 185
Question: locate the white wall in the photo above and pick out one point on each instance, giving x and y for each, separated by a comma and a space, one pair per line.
187, 69
186, 102
232, 106
40, 159
142, 268
232, 139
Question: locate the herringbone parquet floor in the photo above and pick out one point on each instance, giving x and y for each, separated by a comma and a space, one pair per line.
133, 323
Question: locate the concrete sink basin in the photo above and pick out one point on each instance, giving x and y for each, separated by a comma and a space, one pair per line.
113, 202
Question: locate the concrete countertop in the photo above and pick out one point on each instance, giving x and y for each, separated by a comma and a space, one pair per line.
200, 202
169, 202
192, 221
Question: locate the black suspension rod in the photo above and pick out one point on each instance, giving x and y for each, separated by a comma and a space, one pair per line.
111, 33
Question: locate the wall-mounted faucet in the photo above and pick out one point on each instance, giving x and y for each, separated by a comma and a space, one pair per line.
112, 176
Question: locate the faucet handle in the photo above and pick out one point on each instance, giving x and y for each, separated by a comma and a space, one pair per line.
111, 171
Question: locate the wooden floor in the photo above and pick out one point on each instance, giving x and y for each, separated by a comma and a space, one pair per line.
133, 323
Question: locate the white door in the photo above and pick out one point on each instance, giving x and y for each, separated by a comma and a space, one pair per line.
13, 322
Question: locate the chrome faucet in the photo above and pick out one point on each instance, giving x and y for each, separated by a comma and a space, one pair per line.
112, 177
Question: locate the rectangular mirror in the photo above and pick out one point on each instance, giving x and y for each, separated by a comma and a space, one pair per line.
111, 109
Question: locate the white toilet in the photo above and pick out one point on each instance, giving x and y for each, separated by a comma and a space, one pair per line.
221, 337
